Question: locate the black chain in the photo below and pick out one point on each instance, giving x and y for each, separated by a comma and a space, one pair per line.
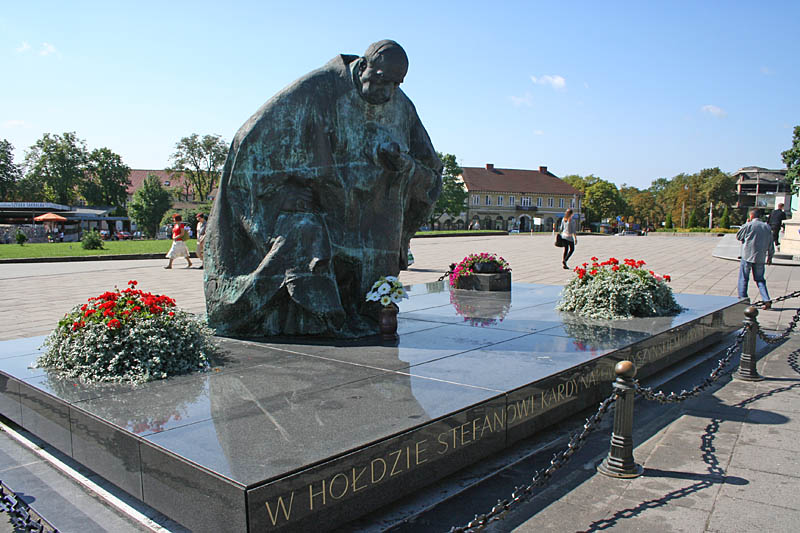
775, 339
648, 394
21, 514
783, 298
542, 476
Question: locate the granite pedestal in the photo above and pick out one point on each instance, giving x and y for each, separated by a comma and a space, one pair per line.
293, 435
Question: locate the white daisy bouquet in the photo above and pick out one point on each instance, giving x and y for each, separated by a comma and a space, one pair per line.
387, 290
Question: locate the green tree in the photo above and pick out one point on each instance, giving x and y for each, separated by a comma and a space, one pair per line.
453, 199
602, 200
106, 180
725, 220
668, 222
692, 223
791, 158
582, 183
200, 159
148, 205
10, 173
58, 162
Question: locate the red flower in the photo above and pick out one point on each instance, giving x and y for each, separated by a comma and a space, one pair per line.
615, 268
108, 312
593, 272
137, 308
667, 277
171, 313
89, 312
594, 259
114, 324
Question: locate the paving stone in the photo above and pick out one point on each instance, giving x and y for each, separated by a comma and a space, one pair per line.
763, 487
733, 515
652, 516
763, 459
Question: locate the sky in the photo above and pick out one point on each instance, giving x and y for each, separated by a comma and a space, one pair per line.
627, 91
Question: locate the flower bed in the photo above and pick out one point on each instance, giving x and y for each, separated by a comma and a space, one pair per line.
613, 290
485, 262
128, 336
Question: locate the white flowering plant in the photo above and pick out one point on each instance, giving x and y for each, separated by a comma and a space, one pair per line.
613, 290
128, 336
388, 291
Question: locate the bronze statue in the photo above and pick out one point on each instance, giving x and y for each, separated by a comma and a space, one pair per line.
322, 190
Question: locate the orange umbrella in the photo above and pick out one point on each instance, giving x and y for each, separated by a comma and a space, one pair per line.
50, 217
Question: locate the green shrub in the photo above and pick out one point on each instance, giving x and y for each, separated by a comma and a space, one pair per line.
612, 290
128, 336
91, 240
21, 238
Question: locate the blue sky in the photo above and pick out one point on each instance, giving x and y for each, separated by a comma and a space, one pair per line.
628, 91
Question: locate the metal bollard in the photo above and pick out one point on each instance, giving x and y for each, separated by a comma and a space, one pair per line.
747, 363
619, 462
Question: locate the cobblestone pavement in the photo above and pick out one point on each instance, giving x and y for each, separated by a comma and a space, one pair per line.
36, 295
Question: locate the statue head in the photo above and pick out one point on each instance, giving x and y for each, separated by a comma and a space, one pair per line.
381, 71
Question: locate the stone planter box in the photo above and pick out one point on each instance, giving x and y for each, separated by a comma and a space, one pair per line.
499, 281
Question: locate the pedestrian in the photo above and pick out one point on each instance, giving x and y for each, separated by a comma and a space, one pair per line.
179, 238
757, 246
775, 222
201, 235
569, 232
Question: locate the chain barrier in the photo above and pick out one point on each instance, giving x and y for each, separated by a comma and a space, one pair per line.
648, 394
22, 516
775, 339
543, 475
762, 304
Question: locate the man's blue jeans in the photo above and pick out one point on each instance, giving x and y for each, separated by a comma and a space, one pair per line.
758, 276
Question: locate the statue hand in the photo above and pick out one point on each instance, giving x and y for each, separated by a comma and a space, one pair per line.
393, 158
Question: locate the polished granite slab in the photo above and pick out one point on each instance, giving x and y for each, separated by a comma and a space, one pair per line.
286, 433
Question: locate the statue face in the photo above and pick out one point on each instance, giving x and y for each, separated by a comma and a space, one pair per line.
379, 80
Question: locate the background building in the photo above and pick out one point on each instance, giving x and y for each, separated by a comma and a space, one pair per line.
507, 199
761, 187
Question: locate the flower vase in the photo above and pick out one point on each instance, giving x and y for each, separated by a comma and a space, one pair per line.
388, 322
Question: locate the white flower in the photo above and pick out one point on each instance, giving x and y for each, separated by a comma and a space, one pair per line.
396, 298
386, 300
401, 292
383, 289
373, 296
391, 278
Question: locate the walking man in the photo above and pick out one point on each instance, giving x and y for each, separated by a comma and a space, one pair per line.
757, 246
775, 222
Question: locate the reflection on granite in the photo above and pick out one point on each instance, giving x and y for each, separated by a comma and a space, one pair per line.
255, 434
29, 345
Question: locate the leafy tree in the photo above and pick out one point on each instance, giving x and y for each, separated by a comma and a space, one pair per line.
106, 181
582, 183
148, 205
200, 159
58, 162
791, 158
10, 173
453, 199
725, 220
668, 222
602, 200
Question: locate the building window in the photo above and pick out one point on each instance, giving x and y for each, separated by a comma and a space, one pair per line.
550, 202
499, 200
488, 200
166, 184
560, 202
579, 204
476, 200
572, 203
526, 201
511, 201
539, 202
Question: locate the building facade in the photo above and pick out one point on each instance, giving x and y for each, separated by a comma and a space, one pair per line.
513, 199
762, 188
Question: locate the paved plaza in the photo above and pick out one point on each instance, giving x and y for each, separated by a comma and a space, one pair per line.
723, 462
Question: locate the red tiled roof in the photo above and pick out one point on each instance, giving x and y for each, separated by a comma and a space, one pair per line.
515, 181
137, 178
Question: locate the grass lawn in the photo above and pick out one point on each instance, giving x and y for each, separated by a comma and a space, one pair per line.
66, 249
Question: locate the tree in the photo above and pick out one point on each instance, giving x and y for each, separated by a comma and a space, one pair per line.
582, 183
725, 220
719, 188
58, 162
10, 173
603, 200
200, 160
453, 199
149, 204
791, 158
692, 223
106, 181
668, 223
